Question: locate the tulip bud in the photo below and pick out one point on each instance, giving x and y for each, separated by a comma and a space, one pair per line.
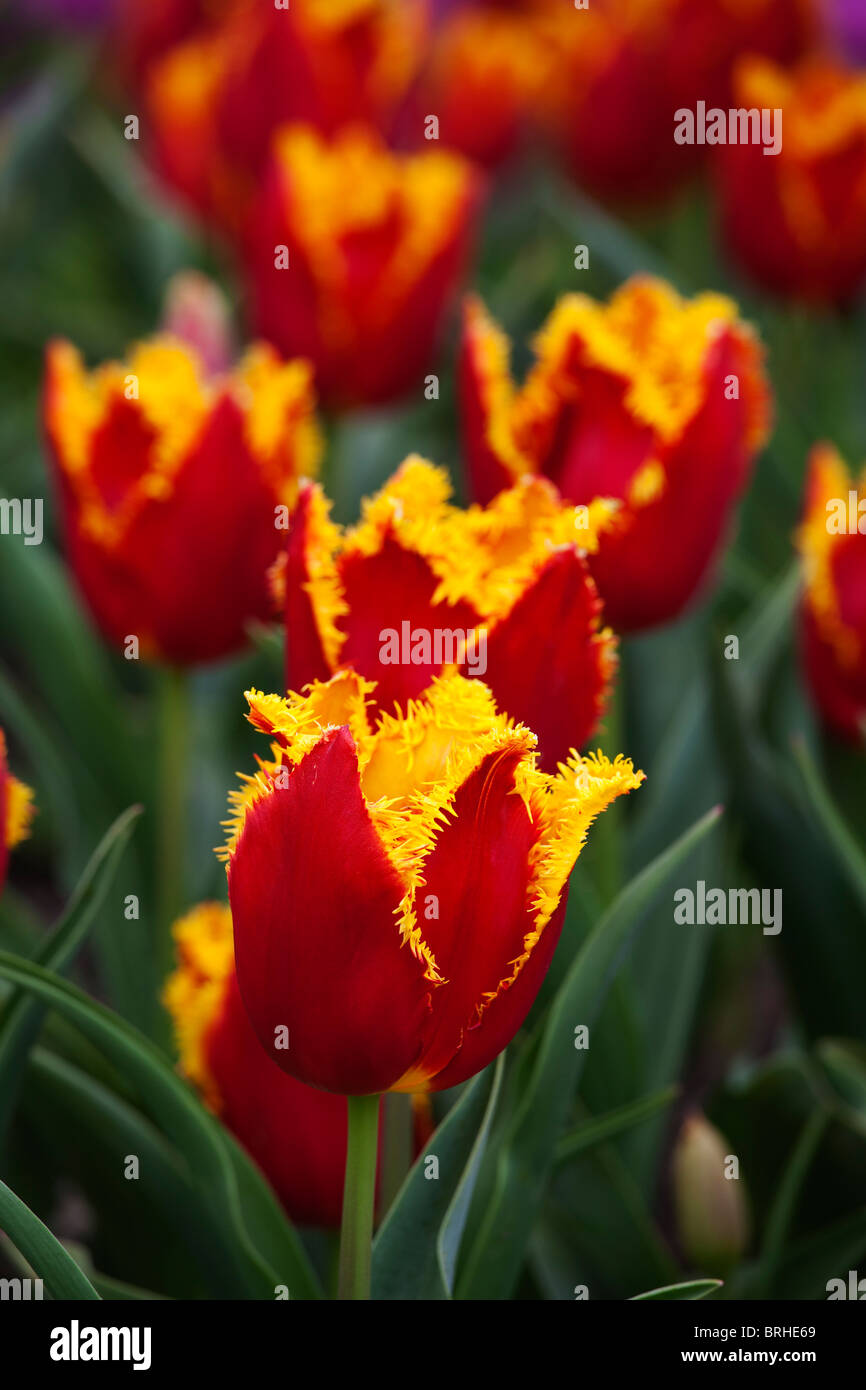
711, 1209
197, 312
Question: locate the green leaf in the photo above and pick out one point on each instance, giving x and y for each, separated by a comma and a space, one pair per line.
102, 1128
526, 1157
782, 1212
416, 1249
599, 1128
22, 1016
692, 1290
174, 1106
42, 1250
851, 858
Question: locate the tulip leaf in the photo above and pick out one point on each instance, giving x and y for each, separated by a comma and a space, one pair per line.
526, 1154
42, 1250
850, 856
692, 1290
598, 1129
415, 1252
172, 1104
102, 1128
22, 1016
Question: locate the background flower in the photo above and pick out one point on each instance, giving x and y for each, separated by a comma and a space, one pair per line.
833, 613
170, 484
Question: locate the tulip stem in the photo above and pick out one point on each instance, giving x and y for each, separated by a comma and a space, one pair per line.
359, 1197
171, 832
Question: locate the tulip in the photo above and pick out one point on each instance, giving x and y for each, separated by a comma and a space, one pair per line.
796, 221
398, 889
657, 402
16, 810
487, 71
832, 543
352, 254
712, 1213
625, 67
297, 1135
172, 487
216, 100
502, 593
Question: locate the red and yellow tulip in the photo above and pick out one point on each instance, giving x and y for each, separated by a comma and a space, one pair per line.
172, 486
626, 66
421, 586
797, 220
216, 100
832, 542
397, 888
16, 810
488, 68
296, 1134
363, 282
653, 400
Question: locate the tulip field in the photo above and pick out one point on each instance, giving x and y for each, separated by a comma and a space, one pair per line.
433, 661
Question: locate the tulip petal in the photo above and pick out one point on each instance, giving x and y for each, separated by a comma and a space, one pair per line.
314, 898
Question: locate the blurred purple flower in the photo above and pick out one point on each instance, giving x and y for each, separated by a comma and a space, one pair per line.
848, 22
75, 14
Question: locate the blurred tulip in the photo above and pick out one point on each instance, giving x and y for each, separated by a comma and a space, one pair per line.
216, 101
16, 810
626, 66
797, 220
712, 1213
420, 586
297, 1135
832, 541
488, 68
398, 891
653, 400
358, 284
173, 486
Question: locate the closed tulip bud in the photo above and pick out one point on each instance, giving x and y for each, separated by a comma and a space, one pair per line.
171, 487
16, 810
656, 402
216, 100
360, 284
397, 888
797, 220
832, 542
297, 1135
421, 586
712, 1215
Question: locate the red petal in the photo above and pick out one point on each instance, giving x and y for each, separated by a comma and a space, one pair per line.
547, 663
318, 950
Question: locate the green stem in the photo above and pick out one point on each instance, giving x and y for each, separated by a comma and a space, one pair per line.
359, 1196
171, 832
396, 1146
